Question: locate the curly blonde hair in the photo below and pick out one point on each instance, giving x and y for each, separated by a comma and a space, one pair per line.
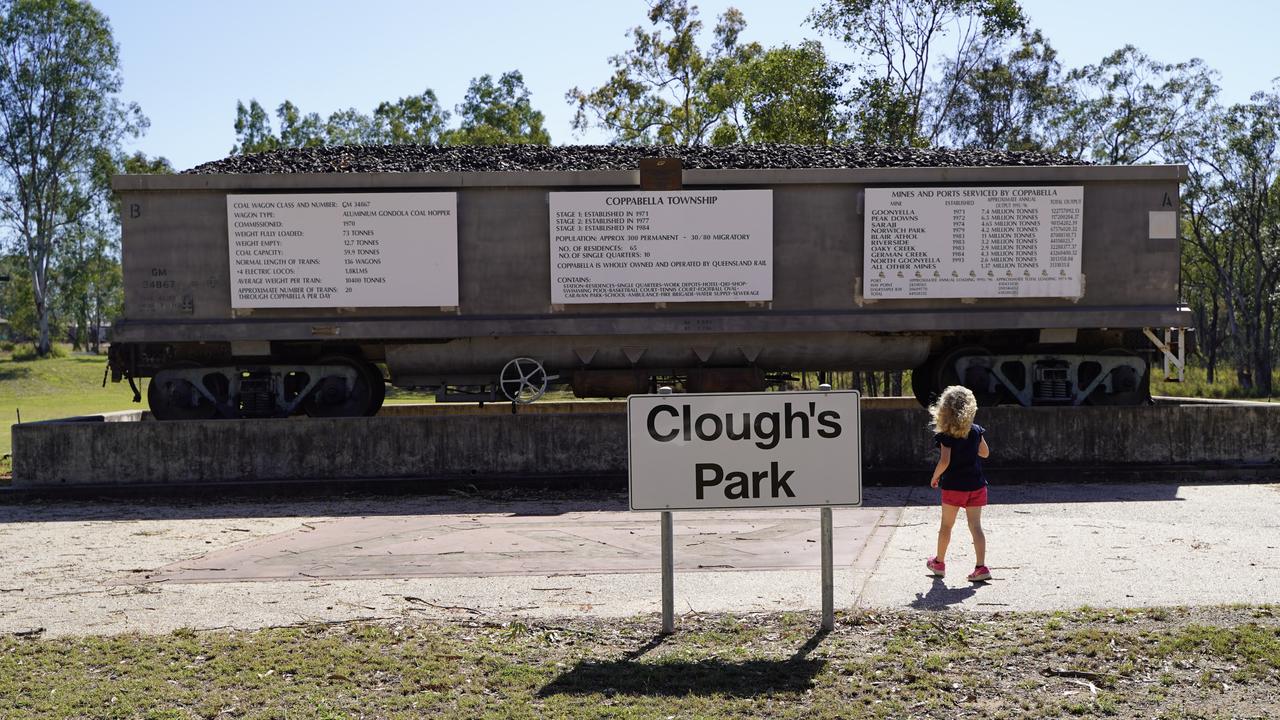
954, 411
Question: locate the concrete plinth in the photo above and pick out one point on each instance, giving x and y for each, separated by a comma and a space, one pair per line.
591, 442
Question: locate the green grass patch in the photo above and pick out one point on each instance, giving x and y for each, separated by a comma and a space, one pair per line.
1196, 383
57, 387
882, 665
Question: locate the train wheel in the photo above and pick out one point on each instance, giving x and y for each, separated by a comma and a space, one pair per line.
922, 385
977, 376
379, 388
173, 396
1128, 387
333, 396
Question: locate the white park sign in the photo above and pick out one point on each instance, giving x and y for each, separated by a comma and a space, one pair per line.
744, 450
343, 250
661, 246
973, 242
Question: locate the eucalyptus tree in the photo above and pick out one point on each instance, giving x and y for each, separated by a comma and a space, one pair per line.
666, 89
787, 94
1231, 224
1128, 107
253, 129
1008, 100
59, 110
498, 113
902, 98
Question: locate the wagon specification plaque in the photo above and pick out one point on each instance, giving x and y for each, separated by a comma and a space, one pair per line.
973, 242
343, 250
650, 246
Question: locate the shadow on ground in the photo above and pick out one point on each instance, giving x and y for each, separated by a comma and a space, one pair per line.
940, 596
631, 675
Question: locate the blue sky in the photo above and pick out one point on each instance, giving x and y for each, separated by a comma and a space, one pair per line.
187, 62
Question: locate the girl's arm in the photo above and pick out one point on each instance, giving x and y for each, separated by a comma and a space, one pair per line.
983, 450
944, 459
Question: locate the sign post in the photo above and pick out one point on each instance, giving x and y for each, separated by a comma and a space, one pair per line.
744, 450
668, 564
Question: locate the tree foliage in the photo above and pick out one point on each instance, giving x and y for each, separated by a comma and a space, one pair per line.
1006, 101
901, 100
666, 89
1127, 107
493, 112
1231, 235
59, 112
784, 95
497, 113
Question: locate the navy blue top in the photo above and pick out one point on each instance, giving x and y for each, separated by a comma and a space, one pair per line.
964, 472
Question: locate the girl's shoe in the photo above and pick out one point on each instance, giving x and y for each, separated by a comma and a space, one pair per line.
980, 573
939, 569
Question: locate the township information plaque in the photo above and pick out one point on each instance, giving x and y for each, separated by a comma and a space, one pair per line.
661, 246
973, 242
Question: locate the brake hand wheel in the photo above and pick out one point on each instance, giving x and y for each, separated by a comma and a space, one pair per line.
523, 380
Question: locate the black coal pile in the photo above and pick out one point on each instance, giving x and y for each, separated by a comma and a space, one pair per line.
473, 158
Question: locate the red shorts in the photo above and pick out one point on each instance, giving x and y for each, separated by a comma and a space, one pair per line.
965, 498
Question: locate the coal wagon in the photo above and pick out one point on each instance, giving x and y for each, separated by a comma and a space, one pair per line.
273, 285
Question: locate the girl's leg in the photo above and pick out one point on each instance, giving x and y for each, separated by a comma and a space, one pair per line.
974, 516
949, 513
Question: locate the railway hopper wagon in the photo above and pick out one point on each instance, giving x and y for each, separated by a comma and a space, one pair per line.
270, 294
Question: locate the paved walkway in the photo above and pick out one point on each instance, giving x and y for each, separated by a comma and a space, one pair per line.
118, 567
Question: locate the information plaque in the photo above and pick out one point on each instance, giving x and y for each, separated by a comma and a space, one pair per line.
672, 246
973, 242
343, 250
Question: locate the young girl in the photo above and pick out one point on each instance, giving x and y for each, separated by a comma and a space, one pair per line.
959, 471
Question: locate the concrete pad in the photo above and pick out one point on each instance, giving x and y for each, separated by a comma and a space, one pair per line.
106, 568
502, 544
1054, 547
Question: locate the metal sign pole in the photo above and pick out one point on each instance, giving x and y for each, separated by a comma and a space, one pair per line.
828, 574
668, 564
828, 571
668, 577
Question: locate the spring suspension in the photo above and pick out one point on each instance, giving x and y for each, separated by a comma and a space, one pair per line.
1052, 382
257, 395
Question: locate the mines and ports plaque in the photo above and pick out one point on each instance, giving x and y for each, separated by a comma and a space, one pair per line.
973, 242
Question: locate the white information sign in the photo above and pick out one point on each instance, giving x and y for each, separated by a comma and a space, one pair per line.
744, 450
343, 250
973, 242
669, 246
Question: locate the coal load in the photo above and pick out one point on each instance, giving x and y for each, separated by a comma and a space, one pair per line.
524, 158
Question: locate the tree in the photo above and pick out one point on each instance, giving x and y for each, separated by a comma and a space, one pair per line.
253, 130
59, 77
498, 113
350, 127
898, 101
297, 129
1007, 101
1231, 218
666, 90
416, 119
1127, 107
784, 95
89, 280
